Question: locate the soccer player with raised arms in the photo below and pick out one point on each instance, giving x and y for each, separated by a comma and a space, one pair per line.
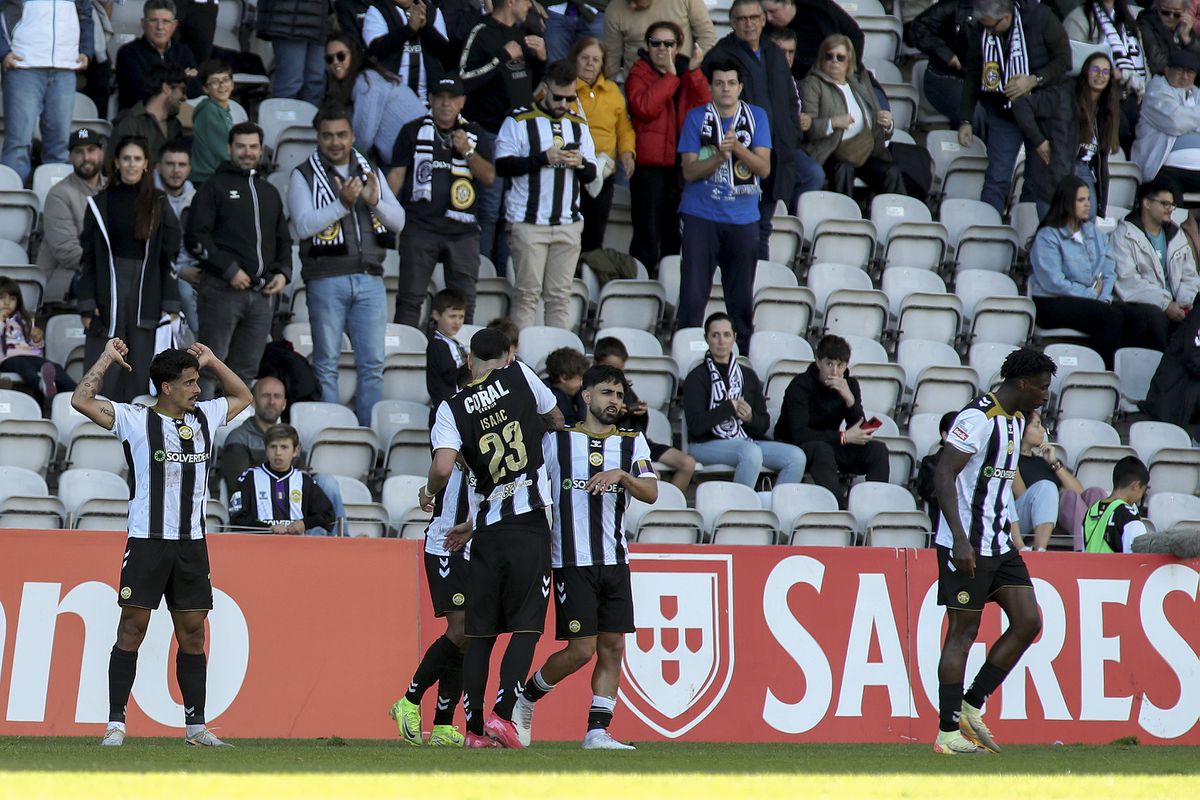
595, 468
977, 561
168, 448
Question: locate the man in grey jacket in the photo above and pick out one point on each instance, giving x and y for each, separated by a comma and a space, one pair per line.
1168, 130
62, 213
1155, 265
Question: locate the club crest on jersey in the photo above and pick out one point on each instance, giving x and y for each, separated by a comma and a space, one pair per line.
458, 598
126, 592
573, 626
595, 459
964, 598
185, 432
296, 495
679, 663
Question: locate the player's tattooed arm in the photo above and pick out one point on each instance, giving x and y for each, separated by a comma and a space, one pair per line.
554, 419
84, 399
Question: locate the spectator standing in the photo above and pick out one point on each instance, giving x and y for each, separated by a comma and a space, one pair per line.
171, 178
849, 132
345, 222
813, 22
42, 46
63, 210
549, 155
627, 27
238, 232
408, 38
567, 24
602, 106
1155, 265
212, 120
726, 413
198, 26
297, 30
275, 497
1166, 27
1018, 57
1098, 116
725, 153
500, 63
1168, 133
816, 406
156, 117
662, 87
126, 283
1113, 523
382, 104
810, 176
440, 164
156, 45
1111, 23
1047, 492
941, 32
767, 83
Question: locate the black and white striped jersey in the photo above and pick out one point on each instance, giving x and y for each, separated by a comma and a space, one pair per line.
451, 507
589, 529
495, 422
168, 467
992, 436
546, 196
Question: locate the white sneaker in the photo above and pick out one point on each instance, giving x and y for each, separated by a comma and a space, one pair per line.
114, 736
601, 739
523, 719
953, 743
971, 723
205, 738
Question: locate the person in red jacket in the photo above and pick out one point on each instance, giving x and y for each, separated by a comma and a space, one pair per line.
661, 88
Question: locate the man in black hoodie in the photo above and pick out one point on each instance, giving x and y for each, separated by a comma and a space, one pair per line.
815, 405
248, 264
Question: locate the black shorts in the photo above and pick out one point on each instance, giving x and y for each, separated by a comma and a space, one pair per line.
592, 600
177, 568
447, 577
509, 580
657, 450
992, 573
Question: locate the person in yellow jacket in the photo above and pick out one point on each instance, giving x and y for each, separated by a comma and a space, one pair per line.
602, 104
1112, 524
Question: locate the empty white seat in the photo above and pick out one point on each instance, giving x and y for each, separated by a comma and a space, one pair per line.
688, 348
823, 529
790, 501
789, 309
78, 486
38, 513
863, 348
869, 498
1077, 435
944, 149
631, 304
103, 515
862, 312
786, 240
828, 277
932, 316
309, 418
980, 240
21, 482
344, 451
767, 347
986, 358
1135, 368
923, 430
1082, 387
882, 385
654, 379
276, 114
1168, 509
29, 443
834, 229
898, 529
92, 447
995, 310
899, 282
18, 405
1168, 452
538, 341
714, 498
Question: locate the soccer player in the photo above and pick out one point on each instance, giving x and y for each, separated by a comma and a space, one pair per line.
977, 561
497, 423
594, 469
167, 448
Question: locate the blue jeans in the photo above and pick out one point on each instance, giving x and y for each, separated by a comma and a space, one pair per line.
188, 303
357, 305
563, 31
1004, 140
706, 246
489, 207
28, 93
299, 70
810, 177
1038, 506
329, 485
748, 457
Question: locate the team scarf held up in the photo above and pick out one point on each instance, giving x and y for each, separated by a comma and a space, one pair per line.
1126, 50
332, 240
432, 175
997, 70
720, 390
733, 172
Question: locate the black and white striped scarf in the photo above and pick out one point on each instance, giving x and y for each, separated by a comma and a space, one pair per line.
721, 390
1126, 49
733, 172
997, 70
332, 240
432, 174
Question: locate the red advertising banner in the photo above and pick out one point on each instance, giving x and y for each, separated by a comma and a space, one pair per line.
314, 637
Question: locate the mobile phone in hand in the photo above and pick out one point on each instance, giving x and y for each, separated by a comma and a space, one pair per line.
874, 423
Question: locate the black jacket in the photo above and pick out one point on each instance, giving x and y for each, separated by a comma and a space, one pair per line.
236, 221
815, 20
1158, 41
940, 32
813, 413
496, 85
293, 19
134, 58
1174, 394
777, 96
436, 51
160, 290
701, 419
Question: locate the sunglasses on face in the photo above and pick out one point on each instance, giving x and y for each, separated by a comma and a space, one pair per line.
1162, 12
838, 57
340, 55
656, 43
564, 98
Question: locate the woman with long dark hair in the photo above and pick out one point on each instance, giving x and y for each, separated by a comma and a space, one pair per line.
1073, 277
381, 102
1111, 23
130, 241
1098, 117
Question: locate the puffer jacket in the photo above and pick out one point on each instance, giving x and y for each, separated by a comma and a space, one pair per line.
50, 34
1140, 277
293, 19
658, 104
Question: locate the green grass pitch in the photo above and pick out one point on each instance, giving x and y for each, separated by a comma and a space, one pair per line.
32, 767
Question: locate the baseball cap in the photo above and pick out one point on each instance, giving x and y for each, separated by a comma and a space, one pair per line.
86, 136
450, 84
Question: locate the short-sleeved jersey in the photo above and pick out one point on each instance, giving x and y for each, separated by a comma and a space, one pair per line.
168, 467
495, 422
992, 437
451, 507
589, 529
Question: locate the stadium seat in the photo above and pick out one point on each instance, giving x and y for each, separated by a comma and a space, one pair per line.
538, 341
784, 309
399, 497
21, 482
1076, 436
667, 521
404, 375
31, 279
309, 418
994, 310
944, 149
64, 343
93, 447
1135, 368
923, 430
768, 347
898, 529
861, 312
654, 379
715, 498
823, 529
1168, 452
927, 115
869, 498
348, 451
637, 342
631, 304
293, 147
103, 515
78, 486
834, 229
899, 282
46, 175
882, 385
938, 383
1168, 509
786, 241
826, 278
1123, 180
930, 316
1082, 387
986, 358
29, 443
275, 115
863, 348
37, 513
688, 348
781, 374
979, 239
902, 452
790, 501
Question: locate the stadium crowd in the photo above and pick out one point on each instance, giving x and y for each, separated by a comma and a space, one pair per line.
334, 196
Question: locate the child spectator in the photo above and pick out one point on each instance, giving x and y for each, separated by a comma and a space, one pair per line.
445, 354
510, 331
1113, 523
564, 375
212, 121
611, 352
23, 345
925, 488
275, 497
